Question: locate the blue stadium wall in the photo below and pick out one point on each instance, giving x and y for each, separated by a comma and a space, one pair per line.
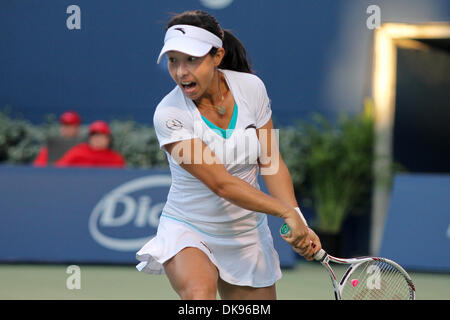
312, 55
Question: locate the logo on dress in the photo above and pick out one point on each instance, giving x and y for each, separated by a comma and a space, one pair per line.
174, 124
181, 30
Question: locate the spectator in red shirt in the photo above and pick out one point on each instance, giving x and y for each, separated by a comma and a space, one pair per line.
69, 132
96, 152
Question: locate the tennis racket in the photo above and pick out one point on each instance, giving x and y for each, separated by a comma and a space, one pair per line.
366, 278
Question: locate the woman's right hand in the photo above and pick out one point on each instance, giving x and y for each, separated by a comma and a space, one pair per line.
298, 230
302, 239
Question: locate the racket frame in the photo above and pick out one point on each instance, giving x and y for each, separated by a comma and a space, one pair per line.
325, 259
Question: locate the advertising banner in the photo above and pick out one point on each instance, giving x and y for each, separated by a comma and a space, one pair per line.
86, 215
417, 229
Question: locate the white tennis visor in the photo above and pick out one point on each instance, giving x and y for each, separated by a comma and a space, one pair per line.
190, 40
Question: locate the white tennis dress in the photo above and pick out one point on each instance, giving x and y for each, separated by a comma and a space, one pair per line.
237, 241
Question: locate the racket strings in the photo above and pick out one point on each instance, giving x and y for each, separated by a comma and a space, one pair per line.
388, 283
376, 280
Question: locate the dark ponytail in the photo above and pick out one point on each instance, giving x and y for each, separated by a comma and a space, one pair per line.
235, 53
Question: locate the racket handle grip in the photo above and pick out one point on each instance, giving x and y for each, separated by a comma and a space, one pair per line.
285, 231
320, 255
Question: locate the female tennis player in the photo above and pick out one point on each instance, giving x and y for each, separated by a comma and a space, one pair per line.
216, 129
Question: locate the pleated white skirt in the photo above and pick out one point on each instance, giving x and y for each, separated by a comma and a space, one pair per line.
248, 259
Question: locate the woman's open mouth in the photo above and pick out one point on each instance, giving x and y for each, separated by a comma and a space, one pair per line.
188, 86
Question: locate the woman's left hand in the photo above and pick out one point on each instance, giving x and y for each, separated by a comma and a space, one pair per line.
308, 251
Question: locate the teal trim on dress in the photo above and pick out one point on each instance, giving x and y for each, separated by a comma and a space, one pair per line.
222, 132
211, 234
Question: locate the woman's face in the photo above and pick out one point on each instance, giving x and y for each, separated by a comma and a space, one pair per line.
193, 74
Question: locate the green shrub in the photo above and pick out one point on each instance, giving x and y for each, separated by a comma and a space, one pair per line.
339, 166
20, 141
138, 144
294, 147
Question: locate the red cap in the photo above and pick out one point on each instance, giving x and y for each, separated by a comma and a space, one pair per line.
99, 127
70, 117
